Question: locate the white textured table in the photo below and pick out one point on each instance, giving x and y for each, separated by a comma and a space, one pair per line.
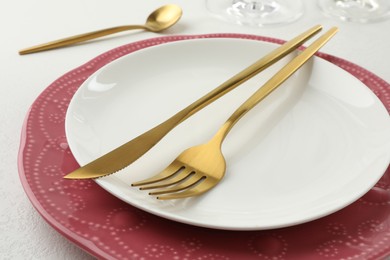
24, 234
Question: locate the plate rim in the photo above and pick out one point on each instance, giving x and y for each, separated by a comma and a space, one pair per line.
76, 237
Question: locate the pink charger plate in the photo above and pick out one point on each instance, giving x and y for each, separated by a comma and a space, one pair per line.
108, 228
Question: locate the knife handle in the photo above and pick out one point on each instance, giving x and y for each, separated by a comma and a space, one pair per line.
252, 70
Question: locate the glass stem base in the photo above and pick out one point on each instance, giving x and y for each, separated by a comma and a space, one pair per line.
256, 12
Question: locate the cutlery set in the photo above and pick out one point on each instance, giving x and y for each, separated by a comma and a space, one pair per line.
200, 168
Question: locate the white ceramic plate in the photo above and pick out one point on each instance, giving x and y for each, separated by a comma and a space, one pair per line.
315, 145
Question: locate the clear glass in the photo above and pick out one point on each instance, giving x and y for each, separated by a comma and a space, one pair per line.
363, 11
257, 12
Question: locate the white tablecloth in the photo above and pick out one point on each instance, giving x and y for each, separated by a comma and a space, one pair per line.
24, 233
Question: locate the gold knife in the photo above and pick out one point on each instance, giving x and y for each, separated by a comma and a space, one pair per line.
129, 152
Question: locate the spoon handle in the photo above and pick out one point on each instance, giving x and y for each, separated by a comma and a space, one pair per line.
78, 38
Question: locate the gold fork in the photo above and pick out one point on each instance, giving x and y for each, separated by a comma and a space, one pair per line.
200, 168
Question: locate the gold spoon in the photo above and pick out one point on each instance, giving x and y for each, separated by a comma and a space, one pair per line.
159, 20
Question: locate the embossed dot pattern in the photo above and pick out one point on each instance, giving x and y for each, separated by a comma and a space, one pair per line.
110, 229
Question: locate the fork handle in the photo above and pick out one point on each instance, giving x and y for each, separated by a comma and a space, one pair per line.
281, 76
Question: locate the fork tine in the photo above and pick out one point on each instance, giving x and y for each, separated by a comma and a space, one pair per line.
195, 191
180, 176
168, 172
195, 179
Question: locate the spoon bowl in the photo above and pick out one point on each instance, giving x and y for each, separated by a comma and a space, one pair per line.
163, 18
160, 19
